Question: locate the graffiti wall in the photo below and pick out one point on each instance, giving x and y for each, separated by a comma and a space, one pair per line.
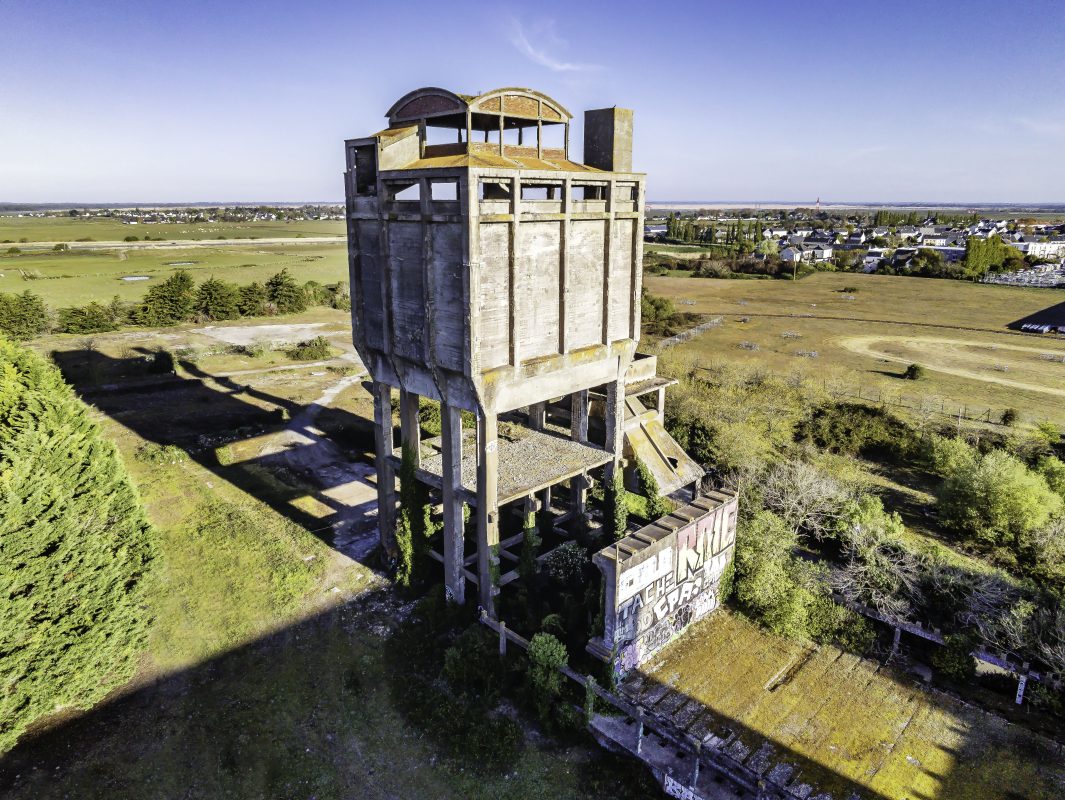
664, 577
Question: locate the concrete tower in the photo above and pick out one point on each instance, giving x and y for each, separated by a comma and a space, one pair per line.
492, 273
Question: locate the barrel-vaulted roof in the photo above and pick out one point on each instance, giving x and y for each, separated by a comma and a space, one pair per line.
510, 101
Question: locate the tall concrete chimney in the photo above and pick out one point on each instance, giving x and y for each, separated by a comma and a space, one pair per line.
608, 139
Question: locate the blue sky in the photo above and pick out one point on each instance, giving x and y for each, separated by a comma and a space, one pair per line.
185, 101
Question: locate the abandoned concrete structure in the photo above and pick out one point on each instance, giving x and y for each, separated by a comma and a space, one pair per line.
492, 273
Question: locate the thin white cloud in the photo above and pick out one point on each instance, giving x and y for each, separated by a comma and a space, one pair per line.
544, 34
1043, 126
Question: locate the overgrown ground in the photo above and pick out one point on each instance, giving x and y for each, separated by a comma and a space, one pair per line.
267, 672
847, 721
861, 341
70, 229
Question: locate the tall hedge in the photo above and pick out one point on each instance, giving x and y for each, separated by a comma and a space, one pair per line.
75, 549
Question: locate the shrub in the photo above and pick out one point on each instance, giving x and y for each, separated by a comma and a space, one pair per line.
75, 549
316, 349
168, 303
617, 510
251, 300
217, 300
566, 563
1009, 417
657, 505
913, 372
954, 659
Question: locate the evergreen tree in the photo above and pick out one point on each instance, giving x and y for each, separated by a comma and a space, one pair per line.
93, 318
285, 294
22, 316
169, 303
75, 549
251, 300
617, 509
217, 299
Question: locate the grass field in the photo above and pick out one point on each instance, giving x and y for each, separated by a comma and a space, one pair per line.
70, 229
79, 277
862, 340
847, 722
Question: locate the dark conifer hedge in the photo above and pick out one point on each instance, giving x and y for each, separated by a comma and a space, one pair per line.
75, 549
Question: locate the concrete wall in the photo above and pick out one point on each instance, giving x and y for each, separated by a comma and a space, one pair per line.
664, 577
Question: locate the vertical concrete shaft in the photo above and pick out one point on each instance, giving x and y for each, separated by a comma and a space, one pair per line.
487, 508
537, 416
451, 428
579, 433
386, 479
615, 418
410, 424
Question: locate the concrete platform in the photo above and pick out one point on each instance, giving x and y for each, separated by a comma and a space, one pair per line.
528, 461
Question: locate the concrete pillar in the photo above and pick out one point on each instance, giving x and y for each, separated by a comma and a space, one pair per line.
660, 406
487, 508
579, 433
537, 416
451, 428
615, 420
409, 423
386, 478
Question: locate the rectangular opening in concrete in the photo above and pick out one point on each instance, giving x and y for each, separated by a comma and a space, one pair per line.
404, 192
366, 170
444, 190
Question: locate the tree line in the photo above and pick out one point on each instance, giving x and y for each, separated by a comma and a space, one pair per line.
176, 300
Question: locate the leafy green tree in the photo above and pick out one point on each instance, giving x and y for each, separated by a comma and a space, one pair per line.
75, 550
170, 302
1052, 469
217, 300
22, 316
955, 658
997, 500
251, 300
546, 655
285, 294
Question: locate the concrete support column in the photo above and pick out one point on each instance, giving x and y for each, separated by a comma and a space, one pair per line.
537, 416
487, 508
661, 404
579, 433
451, 428
410, 424
615, 419
386, 478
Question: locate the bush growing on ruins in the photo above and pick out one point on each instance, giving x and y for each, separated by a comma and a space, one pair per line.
954, 659
75, 550
22, 316
657, 505
566, 563
546, 655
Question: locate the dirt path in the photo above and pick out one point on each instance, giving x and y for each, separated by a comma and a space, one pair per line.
867, 346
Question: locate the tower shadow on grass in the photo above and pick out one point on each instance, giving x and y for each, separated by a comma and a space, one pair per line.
310, 463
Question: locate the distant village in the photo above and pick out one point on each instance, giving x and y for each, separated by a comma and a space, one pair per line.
884, 241
156, 216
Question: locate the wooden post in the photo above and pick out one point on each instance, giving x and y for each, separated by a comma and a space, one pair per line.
454, 526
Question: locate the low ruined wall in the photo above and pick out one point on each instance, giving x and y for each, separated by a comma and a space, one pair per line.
664, 577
